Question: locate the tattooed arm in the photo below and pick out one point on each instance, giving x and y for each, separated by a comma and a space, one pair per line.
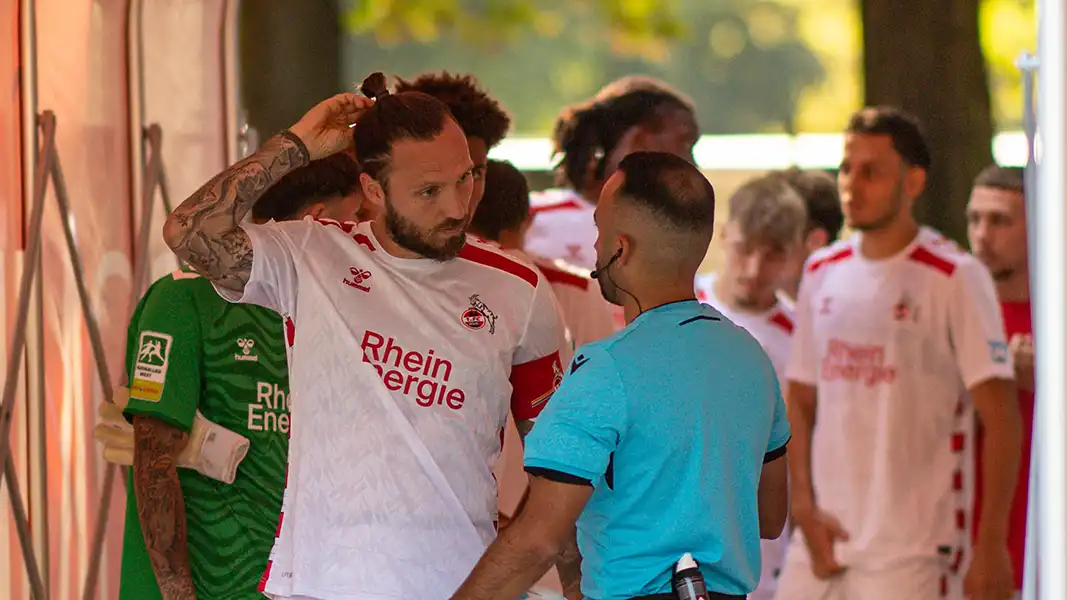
160, 506
205, 230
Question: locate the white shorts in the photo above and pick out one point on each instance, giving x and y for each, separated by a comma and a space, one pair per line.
914, 579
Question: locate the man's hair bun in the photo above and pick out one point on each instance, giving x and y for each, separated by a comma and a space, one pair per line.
374, 86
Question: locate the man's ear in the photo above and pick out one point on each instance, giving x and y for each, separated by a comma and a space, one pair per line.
915, 182
625, 249
372, 190
816, 238
316, 210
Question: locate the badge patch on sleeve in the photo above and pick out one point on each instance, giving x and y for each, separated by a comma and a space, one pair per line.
150, 369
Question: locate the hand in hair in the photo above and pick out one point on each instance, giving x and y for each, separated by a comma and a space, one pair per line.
326, 129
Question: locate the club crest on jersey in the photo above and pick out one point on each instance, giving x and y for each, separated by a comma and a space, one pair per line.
905, 310
557, 375
478, 315
358, 279
246, 345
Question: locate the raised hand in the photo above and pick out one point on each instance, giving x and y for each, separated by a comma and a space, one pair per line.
326, 129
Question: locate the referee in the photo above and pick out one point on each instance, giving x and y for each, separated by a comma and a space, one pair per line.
665, 438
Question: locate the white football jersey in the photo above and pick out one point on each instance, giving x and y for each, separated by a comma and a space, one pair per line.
404, 371
890, 346
773, 329
562, 228
588, 316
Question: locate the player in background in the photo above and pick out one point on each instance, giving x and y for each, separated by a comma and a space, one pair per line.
628, 115
996, 228
411, 345
504, 218
766, 226
825, 220
189, 351
478, 114
891, 330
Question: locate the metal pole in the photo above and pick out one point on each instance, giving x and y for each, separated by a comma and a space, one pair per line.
33, 248
153, 135
22, 526
1028, 65
1050, 335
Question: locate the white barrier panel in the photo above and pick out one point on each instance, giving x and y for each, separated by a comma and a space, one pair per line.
750, 152
81, 76
1049, 327
12, 571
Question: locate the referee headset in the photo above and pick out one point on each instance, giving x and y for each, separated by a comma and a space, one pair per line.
603, 271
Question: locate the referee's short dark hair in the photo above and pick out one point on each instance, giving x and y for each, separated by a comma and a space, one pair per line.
506, 203
902, 127
671, 189
322, 180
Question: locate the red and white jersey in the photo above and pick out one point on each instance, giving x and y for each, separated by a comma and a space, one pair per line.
588, 316
890, 346
405, 370
772, 328
562, 228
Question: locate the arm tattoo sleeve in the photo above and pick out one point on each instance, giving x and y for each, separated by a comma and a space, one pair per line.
205, 231
160, 507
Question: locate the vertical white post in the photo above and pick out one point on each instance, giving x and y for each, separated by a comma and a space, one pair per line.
1049, 268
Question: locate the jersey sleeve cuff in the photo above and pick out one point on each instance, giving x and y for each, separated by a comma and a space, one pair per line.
134, 410
801, 378
255, 275
558, 476
981, 376
778, 452
543, 465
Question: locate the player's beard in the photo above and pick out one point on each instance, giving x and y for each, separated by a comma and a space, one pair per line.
896, 204
408, 235
608, 289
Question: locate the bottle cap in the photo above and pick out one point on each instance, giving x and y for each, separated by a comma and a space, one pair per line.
685, 562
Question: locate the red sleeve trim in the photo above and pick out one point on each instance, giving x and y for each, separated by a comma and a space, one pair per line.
554, 275
564, 205
532, 384
477, 254
782, 320
835, 257
923, 256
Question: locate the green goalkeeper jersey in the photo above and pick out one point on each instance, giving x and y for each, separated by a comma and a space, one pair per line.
189, 350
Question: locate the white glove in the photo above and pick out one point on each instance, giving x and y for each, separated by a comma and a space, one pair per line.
212, 450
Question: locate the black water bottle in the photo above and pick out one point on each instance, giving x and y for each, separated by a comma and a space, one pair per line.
687, 582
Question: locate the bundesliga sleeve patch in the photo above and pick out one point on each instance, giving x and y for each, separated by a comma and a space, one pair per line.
150, 368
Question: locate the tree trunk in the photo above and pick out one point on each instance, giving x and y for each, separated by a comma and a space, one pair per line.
924, 56
290, 54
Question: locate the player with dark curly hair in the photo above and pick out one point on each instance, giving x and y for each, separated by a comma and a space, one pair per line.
479, 115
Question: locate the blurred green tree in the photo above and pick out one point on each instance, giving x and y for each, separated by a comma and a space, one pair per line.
743, 62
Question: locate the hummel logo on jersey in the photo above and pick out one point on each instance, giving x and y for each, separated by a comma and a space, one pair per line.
579, 362
998, 351
246, 345
478, 315
359, 279
825, 310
